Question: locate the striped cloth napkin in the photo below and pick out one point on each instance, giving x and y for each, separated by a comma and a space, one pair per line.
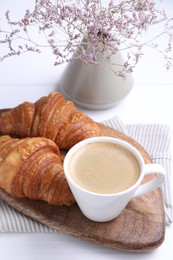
155, 138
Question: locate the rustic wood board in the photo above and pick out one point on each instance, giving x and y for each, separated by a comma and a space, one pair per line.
140, 227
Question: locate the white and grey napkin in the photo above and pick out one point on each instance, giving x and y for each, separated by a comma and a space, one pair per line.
155, 138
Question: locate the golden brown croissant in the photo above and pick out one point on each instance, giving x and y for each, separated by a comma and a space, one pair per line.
32, 168
52, 117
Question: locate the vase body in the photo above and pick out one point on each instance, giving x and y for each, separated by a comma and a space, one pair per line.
95, 86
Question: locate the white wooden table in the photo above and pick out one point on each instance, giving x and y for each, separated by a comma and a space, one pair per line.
151, 101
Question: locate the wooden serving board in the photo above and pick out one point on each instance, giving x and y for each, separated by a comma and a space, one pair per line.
140, 227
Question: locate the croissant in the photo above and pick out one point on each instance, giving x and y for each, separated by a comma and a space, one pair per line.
52, 117
32, 168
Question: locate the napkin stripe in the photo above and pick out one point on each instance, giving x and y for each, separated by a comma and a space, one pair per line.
115, 123
152, 138
12, 221
166, 188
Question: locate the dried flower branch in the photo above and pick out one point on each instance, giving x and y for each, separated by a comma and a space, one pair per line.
109, 29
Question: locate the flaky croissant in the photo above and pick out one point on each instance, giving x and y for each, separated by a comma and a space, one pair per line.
32, 168
52, 117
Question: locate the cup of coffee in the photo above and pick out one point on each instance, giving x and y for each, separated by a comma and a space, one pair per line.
105, 173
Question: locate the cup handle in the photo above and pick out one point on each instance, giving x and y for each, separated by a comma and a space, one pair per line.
155, 182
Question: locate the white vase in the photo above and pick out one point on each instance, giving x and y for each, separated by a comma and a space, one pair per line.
95, 86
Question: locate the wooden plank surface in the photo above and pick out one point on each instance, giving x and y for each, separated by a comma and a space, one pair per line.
140, 227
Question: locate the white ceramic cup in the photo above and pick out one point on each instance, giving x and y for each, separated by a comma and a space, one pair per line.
105, 207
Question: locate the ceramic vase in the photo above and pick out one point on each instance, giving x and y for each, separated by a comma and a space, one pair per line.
95, 86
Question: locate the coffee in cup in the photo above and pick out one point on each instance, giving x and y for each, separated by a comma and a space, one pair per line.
104, 167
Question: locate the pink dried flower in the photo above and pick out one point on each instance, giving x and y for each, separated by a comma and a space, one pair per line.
115, 27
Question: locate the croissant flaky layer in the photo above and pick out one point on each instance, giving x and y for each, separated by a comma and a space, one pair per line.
32, 168
52, 117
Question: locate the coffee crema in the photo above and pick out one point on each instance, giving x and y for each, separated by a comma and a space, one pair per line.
104, 168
